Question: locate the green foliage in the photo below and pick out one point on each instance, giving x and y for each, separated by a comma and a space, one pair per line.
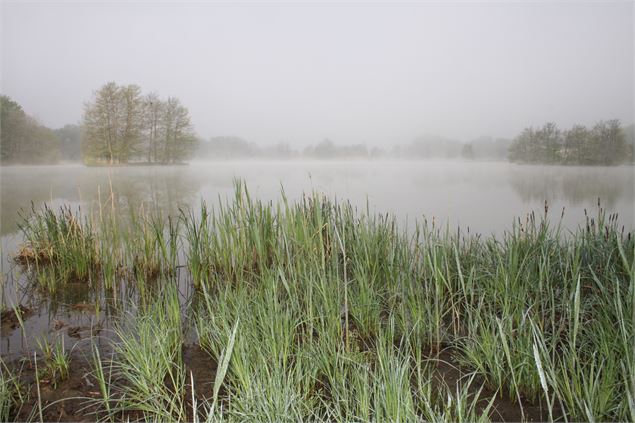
604, 144
149, 362
56, 360
22, 138
11, 397
121, 126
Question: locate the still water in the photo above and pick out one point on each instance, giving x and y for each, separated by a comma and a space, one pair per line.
485, 196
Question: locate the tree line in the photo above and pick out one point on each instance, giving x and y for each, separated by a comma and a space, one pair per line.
234, 147
603, 144
121, 126
423, 147
22, 138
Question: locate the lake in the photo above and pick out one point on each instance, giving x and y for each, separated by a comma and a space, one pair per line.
485, 196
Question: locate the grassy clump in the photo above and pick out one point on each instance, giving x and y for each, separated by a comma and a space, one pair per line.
149, 363
56, 361
11, 395
67, 246
61, 246
316, 311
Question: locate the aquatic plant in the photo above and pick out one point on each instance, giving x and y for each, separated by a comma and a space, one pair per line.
314, 310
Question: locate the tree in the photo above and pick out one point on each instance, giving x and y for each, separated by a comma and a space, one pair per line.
549, 142
153, 109
179, 140
576, 146
131, 107
12, 129
101, 125
541, 145
604, 144
41, 146
521, 149
609, 142
22, 138
112, 124
120, 125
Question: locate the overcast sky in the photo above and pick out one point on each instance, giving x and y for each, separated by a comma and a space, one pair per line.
359, 72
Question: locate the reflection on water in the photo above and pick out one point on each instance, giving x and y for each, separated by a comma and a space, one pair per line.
484, 196
574, 185
165, 188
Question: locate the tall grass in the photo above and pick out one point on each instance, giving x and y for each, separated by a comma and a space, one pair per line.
97, 248
11, 395
149, 362
342, 314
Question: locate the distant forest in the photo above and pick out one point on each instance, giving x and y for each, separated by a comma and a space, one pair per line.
121, 126
24, 140
606, 143
233, 147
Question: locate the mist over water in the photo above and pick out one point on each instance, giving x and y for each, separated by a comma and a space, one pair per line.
484, 196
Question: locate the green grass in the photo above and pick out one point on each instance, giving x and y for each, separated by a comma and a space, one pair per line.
314, 310
11, 396
56, 360
149, 363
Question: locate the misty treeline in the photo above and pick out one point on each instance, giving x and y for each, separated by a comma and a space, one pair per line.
233, 147
228, 147
23, 139
606, 143
121, 125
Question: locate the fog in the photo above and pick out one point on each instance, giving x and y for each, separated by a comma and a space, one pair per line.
369, 73
317, 210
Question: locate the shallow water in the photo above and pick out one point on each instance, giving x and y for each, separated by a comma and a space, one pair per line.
484, 196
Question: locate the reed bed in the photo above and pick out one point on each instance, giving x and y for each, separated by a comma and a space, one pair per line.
314, 310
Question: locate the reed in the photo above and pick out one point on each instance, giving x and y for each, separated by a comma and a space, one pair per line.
56, 360
314, 310
11, 392
149, 362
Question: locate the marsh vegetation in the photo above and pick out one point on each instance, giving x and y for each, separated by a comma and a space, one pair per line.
317, 310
